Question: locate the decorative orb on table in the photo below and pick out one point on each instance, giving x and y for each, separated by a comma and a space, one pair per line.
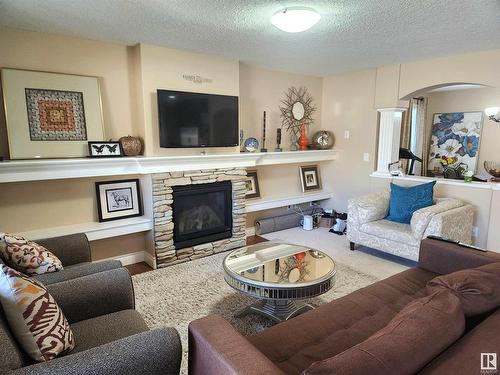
251, 144
323, 140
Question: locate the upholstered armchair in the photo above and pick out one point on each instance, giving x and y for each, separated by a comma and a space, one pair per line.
111, 337
366, 225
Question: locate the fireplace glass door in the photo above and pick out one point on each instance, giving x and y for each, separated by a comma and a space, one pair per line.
202, 213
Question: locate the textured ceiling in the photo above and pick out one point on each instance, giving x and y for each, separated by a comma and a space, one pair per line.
351, 35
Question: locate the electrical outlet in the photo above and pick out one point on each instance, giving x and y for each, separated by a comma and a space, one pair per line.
475, 231
366, 156
347, 134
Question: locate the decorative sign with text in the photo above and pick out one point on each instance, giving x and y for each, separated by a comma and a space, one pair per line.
196, 79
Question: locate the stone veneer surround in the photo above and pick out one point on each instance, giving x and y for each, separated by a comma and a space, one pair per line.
165, 251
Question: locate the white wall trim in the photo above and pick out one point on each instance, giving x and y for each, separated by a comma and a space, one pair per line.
50, 169
150, 260
250, 231
133, 258
127, 259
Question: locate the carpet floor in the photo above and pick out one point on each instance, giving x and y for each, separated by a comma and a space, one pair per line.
176, 295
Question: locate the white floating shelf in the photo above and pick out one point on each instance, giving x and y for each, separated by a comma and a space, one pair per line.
53, 169
268, 203
94, 231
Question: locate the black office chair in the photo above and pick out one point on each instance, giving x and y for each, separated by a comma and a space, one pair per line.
406, 154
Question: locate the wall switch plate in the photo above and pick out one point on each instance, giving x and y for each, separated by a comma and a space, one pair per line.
475, 231
347, 134
366, 156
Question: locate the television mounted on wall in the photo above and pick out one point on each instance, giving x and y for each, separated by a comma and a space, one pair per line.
189, 119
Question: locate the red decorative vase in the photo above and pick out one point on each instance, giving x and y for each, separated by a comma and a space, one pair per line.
303, 141
300, 258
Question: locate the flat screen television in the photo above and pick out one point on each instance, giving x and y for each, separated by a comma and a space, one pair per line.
189, 119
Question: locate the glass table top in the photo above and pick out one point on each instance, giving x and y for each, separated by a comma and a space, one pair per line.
279, 264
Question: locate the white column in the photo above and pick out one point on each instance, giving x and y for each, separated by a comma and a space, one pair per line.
388, 138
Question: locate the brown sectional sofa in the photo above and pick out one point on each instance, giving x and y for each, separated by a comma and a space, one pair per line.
293, 346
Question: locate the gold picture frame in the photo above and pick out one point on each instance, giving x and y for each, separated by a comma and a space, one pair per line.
51, 115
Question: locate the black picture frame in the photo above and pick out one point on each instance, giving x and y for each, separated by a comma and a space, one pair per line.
305, 172
122, 209
253, 178
103, 149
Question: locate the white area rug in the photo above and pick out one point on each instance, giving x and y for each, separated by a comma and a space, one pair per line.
176, 295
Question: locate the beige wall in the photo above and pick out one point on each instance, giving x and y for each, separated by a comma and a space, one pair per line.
60, 54
26, 206
129, 78
262, 90
472, 100
478, 67
163, 68
348, 104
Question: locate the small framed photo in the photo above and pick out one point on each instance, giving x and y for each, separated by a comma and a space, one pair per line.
118, 199
105, 149
252, 185
309, 176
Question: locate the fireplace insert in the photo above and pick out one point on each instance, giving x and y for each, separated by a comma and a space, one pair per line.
202, 213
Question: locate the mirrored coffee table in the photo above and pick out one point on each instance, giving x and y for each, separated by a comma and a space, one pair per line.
280, 275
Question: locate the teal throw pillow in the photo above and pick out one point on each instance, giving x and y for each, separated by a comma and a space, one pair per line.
406, 200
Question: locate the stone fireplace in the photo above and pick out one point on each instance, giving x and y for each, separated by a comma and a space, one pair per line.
198, 213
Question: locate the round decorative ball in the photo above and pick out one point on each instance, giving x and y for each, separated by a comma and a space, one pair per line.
251, 144
131, 146
323, 140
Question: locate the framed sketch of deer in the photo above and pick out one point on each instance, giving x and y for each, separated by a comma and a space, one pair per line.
118, 199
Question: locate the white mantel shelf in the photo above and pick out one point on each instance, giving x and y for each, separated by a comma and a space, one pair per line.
254, 205
53, 169
94, 230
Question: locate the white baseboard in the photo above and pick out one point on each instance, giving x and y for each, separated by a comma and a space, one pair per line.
144, 256
150, 260
250, 231
132, 258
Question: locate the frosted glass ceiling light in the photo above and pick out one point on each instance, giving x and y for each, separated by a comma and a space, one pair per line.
295, 19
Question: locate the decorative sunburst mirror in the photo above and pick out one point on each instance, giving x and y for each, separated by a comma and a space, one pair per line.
297, 108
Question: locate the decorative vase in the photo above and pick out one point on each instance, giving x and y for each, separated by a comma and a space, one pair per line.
303, 141
131, 146
293, 142
300, 258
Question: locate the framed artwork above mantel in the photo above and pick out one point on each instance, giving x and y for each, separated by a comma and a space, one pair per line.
51, 115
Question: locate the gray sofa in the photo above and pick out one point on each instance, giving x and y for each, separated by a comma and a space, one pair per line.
111, 337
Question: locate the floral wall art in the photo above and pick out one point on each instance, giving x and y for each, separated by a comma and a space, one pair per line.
454, 145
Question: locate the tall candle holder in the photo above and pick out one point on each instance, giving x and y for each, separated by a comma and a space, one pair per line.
278, 141
264, 149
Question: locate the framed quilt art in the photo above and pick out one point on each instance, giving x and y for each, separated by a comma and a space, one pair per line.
50, 115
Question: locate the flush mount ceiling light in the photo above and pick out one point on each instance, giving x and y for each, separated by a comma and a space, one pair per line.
295, 19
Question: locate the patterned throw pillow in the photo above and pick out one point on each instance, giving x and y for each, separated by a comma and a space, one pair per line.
34, 317
27, 256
